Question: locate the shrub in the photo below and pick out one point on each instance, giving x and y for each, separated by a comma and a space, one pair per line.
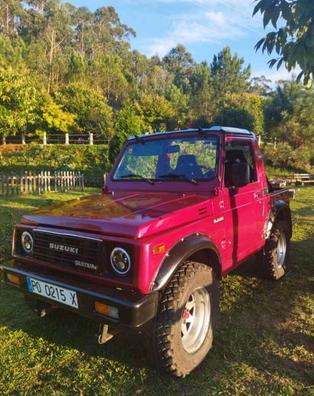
284, 156
244, 111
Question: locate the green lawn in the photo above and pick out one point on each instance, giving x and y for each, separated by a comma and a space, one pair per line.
264, 345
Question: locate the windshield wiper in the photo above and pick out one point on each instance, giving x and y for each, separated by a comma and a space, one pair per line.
131, 175
175, 176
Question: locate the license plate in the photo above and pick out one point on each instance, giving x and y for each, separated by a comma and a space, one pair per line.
53, 292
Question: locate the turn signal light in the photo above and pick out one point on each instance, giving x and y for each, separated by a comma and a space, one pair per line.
106, 310
13, 279
161, 248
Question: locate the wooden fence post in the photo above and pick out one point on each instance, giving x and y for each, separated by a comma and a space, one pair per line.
91, 138
45, 138
67, 138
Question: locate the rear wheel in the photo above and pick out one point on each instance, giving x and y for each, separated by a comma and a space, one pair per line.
184, 327
275, 255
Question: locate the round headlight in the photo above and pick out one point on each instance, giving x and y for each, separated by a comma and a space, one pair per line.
27, 242
120, 261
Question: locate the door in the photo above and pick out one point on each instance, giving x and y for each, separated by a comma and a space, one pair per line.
243, 206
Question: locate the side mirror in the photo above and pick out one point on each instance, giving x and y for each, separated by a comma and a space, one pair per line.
240, 174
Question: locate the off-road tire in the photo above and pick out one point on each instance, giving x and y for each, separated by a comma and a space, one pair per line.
268, 257
169, 353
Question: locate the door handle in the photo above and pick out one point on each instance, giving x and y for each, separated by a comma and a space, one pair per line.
257, 195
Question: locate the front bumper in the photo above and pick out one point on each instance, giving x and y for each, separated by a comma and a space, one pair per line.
135, 309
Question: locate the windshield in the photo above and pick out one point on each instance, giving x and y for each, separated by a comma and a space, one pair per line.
187, 158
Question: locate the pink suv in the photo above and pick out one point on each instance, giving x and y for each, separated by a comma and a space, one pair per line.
179, 210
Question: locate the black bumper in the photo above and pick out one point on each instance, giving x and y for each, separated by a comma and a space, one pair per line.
135, 309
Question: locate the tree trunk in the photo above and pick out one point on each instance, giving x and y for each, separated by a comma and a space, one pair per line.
82, 39
50, 59
7, 19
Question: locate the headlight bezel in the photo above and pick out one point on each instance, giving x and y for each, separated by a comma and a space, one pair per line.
116, 270
26, 234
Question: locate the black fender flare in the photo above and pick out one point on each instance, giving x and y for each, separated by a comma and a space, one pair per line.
279, 210
178, 254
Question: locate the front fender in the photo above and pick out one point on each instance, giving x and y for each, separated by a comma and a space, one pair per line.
178, 254
279, 211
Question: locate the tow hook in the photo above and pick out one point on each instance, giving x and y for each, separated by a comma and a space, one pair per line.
104, 334
40, 308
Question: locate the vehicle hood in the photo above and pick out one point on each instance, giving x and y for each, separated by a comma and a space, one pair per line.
133, 215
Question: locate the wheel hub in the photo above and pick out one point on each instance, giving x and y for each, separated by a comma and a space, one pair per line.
281, 250
195, 320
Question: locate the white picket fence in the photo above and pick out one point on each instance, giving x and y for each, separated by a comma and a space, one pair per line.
40, 182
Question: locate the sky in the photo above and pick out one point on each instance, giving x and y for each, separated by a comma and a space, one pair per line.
204, 27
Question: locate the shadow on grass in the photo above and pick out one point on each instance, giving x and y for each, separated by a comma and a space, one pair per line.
258, 324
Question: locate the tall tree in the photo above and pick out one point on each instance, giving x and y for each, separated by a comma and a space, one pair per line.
229, 75
280, 102
10, 13
179, 62
260, 85
48, 28
202, 99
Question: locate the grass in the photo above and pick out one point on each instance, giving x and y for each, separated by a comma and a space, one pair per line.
264, 345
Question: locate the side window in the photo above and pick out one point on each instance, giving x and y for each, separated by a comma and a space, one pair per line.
239, 151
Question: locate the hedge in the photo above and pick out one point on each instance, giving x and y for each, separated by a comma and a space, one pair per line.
92, 160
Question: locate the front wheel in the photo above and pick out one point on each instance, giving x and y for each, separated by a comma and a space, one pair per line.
184, 327
275, 255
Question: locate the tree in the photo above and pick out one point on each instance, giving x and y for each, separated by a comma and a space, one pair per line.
297, 127
180, 103
290, 118
260, 85
244, 111
128, 123
293, 40
52, 118
229, 74
89, 106
280, 102
11, 52
179, 62
10, 13
18, 101
156, 112
48, 29
109, 77
202, 95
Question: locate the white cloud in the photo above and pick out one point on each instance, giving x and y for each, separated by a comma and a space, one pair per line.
210, 21
197, 28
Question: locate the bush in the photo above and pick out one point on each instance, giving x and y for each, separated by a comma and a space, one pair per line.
285, 157
92, 160
243, 111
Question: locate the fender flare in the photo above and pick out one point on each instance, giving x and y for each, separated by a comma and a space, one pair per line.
178, 254
280, 209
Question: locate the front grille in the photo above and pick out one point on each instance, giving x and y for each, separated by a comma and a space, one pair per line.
68, 251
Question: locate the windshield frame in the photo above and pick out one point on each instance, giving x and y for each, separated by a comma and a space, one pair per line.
174, 136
